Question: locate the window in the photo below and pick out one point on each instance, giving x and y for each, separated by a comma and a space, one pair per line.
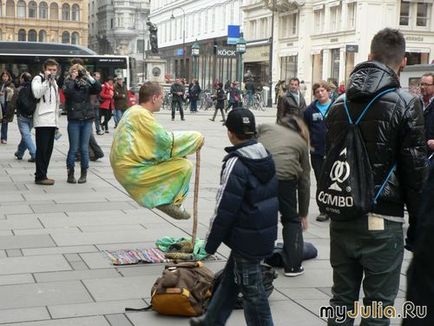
319, 20
422, 14
21, 9
54, 11
252, 29
65, 37
42, 36
32, 36
43, 10
33, 8
75, 13
335, 16
10, 8
293, 27
75, 38
22, 35
288, 67
1, 10
66, 12
351, 23
140, 46
404, 15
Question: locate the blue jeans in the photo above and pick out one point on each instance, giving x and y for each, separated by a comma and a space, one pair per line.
193, 105
117, 116
25, 126
249, 98
97, 119
78, 135
245, 276
4, 130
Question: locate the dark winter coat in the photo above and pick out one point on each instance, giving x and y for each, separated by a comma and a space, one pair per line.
393, 130
194, 92
429, 123
77, 98
245, 217
8, 109
120, 97
177, 88
287, 104
315, 121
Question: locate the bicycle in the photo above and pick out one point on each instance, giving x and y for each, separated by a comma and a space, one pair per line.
206, 100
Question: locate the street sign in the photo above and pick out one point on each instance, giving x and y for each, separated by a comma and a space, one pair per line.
226, 52
352, 48
180, 52
233, 34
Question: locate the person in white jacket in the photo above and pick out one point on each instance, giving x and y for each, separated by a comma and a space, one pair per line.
45, 118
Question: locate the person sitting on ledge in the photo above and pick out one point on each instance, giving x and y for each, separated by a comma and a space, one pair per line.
149, 161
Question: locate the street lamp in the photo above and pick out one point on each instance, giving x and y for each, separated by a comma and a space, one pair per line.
183, 39
195, 52
241, 49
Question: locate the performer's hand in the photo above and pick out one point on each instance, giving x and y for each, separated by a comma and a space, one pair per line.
304, 223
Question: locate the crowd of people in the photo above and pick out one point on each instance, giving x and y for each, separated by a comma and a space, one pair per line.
266, 171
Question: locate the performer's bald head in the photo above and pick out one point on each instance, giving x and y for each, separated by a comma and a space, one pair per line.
151, 96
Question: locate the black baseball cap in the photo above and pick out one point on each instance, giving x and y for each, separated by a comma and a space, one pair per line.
241, 121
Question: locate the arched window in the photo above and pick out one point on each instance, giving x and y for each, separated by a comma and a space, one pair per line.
32, 36
75, 38
65, 37
43, 10
54, 11
66, 12
42, 36
21, 9
10, 8
22, 35
33, 9
75, 12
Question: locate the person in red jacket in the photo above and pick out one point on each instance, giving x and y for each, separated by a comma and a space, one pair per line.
107, 104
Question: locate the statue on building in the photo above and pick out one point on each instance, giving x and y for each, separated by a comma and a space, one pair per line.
153, 40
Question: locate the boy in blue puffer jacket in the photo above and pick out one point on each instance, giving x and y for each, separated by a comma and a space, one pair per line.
245, 219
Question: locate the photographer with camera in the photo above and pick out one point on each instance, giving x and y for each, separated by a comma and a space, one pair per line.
78, 88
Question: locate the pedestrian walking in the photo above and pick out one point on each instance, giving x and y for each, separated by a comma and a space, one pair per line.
107, 104
248, 176
220, 97
45, 118
78, 88
121, 99
234, 96
178, 92
95, 101
288, 144
292, 101
25, 110
7, 104
193, 94
368, 249
314, 117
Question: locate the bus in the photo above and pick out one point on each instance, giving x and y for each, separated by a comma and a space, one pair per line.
18, 57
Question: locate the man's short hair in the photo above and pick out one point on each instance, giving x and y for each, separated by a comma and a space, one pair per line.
321, 83
428, 74
148, 90
295, 79
388, 47
50, 62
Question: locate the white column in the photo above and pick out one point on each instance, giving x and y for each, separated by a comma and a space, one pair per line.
325, 64
342, 63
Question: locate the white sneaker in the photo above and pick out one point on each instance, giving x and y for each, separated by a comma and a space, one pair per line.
294, 272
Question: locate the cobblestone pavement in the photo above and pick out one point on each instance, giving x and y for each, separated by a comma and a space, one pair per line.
52, 270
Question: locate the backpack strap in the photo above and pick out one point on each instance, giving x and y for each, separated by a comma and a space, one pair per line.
367, 107
383, 185
139, 309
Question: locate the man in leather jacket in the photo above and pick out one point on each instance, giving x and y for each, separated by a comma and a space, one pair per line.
178, 91
292, 102
370, 248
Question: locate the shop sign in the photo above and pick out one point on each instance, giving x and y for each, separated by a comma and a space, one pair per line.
352, 48
414, 38
226, 52
333, 40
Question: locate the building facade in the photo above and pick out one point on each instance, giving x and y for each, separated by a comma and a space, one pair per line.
325, 39
44, 21
181, 22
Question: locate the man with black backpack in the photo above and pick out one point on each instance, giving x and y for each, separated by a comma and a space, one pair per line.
26, 105
375, 164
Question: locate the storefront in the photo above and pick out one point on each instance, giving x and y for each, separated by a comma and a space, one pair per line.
256, 63
217, 61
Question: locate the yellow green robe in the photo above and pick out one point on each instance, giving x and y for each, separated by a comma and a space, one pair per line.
148, 161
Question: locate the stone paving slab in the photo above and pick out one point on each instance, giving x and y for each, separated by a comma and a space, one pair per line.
26, 241
16, 279
59, 250
85, 321
33, 264
75, 275
43, 294
23, 314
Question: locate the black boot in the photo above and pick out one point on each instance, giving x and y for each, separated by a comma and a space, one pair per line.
71, 178
83, 176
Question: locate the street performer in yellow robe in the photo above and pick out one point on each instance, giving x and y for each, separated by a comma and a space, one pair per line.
149, 161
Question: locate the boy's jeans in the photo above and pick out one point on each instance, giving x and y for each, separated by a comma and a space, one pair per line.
245, 276
25, 126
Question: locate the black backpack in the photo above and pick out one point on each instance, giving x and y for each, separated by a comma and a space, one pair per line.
26, 101
346, 187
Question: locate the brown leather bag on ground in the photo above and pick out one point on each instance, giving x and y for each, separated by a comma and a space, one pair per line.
182, 290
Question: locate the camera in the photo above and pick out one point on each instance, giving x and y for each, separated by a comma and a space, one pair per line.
50, 76
82, 73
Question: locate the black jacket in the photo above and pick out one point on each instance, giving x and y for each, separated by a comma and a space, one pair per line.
429, 123
287, 104
177, 88
420, 281
393, 130
77, 98
245, 217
